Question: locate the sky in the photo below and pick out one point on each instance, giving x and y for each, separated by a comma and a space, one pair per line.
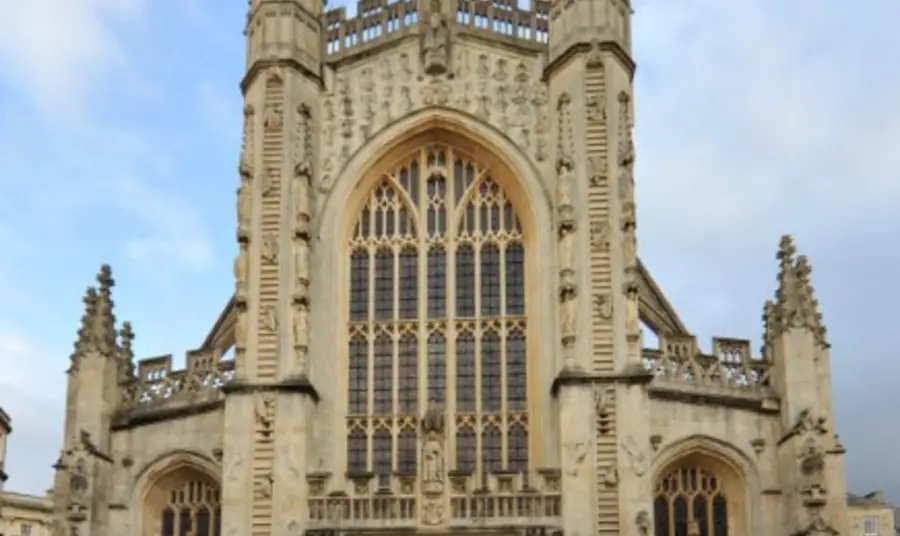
119, 131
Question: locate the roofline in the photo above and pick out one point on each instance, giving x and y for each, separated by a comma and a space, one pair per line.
5, 421
216, 331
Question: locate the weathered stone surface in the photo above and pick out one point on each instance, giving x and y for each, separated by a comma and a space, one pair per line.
443, 216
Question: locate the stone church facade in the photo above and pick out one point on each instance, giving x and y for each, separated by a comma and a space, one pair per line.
439, 309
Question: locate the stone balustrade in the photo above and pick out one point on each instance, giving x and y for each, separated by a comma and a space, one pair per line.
380, 21
495, 500
729, 366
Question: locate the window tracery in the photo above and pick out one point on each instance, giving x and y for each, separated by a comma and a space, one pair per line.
437, 312
191, 508
691, 501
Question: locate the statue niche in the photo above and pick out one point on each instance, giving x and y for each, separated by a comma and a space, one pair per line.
433, 467
433, 451
436, 42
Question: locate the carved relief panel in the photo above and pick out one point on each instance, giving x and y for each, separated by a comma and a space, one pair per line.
503, 90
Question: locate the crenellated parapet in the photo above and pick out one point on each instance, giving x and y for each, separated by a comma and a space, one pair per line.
730, 365
379, 23
157, 383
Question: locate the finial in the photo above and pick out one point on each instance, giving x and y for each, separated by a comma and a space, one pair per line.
126, 353
104, 330
795, 305
84, 340
105, 279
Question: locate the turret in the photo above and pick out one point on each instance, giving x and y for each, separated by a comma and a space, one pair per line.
589, 75
276, 172
810, 459
93, 393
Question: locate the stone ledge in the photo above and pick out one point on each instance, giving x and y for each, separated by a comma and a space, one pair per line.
143, 416
569, 377
691, 395
297, 385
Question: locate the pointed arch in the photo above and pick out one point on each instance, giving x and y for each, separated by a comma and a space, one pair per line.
429, 135
177, 493
706, 483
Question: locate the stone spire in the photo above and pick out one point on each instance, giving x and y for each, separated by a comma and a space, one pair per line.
126, 353
83, 342
795, 305
105, 321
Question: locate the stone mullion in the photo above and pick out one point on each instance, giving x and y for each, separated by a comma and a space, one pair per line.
452, 226
422, 283
504, 331
395, 350
478, 333
372, 337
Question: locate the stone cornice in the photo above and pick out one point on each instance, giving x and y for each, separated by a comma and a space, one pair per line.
757, 403
260, 66
570, 378
298, 385
584, 48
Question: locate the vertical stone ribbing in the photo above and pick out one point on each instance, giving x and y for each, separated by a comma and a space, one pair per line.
602, 334
270, 229
267, 343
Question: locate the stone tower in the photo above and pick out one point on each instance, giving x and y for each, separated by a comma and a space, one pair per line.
269, 403
810, 458
590, 72
101, 365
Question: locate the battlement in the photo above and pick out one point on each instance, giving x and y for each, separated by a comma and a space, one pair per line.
380, 21
729, 365
156, 381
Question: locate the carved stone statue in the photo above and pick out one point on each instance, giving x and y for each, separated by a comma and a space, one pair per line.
240, 329
268, 319
241, 262
244, 207
301, 263
433, 450
436, 42
565, 181
270, 249
432, 460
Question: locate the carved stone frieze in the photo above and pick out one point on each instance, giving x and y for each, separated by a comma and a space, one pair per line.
642, 523
265, 413
603, 306
599, 236
576, 453
269, 252
268, 319
502, 90
639, 462
609, 476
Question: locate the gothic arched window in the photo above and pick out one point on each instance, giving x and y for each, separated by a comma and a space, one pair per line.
185, 504
690, 501
437, 313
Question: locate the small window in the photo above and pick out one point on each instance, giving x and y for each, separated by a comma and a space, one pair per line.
25, 529
870, 526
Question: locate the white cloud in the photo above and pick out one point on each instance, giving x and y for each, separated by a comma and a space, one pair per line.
60, 48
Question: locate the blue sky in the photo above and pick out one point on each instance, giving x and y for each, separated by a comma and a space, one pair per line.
119, 130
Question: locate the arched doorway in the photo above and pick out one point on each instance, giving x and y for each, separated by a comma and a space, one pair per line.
183, 502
